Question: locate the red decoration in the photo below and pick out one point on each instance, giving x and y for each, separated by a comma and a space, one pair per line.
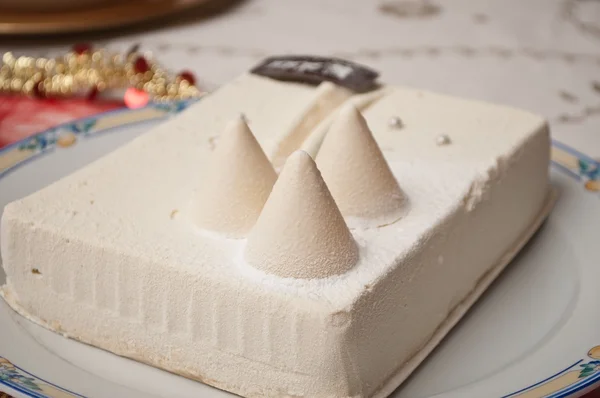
81, 48
91, 96
38, 90
86, 72
135, 98
188, 76
22, 116
141, 65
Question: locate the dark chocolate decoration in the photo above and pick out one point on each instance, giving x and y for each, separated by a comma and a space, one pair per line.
314, 70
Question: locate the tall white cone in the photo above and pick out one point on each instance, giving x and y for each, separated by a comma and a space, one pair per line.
236, 184
301, 232
357, 174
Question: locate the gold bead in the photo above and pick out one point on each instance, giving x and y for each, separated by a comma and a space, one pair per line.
50, 65
19, 63
28, 86
117, 59
96, 56
81, 76
25, 62
8, 58
40, 63
171, 89
71, 63
81, 60
16, 84
60, 67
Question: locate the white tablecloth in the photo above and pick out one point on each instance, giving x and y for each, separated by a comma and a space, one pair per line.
542, 55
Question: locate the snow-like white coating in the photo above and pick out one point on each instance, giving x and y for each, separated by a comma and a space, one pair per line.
115, 270
357, 174
301, 232
236, 184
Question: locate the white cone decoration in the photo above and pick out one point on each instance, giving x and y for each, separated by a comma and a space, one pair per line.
236, 185
357, 174
301, 232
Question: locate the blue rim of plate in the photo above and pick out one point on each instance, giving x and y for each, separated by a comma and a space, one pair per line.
575, 164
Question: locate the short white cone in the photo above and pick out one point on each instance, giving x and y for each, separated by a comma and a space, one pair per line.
357, 174
236, 184
301, 232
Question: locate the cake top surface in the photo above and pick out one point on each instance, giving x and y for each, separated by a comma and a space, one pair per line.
140, 199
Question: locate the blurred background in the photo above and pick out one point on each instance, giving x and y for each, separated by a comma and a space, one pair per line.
542, 55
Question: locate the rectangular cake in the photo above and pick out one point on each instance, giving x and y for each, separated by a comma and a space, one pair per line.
185, 250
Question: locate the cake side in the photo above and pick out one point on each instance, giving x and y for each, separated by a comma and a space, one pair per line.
220, 331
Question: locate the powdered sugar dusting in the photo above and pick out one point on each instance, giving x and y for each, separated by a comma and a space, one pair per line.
300, 232
357, 174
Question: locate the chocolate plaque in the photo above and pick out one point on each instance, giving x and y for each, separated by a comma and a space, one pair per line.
314, 70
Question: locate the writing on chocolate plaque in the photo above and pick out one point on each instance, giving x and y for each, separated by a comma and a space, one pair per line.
314, 70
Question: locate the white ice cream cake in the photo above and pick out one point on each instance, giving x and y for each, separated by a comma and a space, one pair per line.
184, 249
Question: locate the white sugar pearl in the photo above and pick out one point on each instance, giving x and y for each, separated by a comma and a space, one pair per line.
395, 122
443, 139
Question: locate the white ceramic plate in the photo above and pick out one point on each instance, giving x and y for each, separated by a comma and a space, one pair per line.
535, 333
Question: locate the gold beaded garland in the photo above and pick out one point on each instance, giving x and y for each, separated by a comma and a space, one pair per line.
87, 72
